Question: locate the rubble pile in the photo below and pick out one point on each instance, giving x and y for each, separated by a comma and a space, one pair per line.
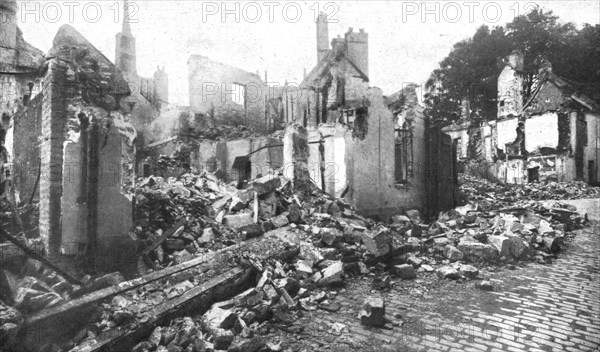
492, 194
30, 288
220, 133
213, 215
180, 219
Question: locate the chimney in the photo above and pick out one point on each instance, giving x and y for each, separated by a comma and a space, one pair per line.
357, 49
322, 36
516, 60
8, 21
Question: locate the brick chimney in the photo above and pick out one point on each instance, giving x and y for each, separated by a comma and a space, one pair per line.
8, 23
357, 49
322, 36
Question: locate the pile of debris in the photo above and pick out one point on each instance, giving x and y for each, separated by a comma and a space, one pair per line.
220, 132
492, 194
198, 214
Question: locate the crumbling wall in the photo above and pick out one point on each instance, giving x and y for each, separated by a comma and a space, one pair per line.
85, 202
506, 132
27, 128
510, 93
373, 188
212, 94
265, 155
464, 141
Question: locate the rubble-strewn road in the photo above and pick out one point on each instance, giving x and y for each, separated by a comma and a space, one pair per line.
532, 308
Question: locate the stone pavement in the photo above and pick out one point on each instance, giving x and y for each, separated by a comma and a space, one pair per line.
535, 307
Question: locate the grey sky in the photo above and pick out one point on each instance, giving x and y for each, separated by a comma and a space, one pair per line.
406, 39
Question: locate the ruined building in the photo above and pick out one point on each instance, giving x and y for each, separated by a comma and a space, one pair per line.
349, 142
20, 82
555, 134
552, 136
70, 144
223, 94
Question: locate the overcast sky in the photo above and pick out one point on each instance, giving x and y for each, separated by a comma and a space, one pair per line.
406, 39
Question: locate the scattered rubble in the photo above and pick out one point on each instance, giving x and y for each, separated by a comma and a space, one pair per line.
194, 229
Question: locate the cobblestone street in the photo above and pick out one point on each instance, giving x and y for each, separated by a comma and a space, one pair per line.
532, 308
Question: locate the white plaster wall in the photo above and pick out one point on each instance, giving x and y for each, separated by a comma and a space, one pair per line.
507, 132
339, 161
541, 131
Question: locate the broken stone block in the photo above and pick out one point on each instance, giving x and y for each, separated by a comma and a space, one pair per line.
448, 272
331, 236
253, 344
415, 262
222, 338
405, 271
237, 204
545, 228
174, 244
400, 219
310, 253
304, 268
474, 250
485, 286
441, 241
217, 318
517, 245
468, 271
333, 274
377, 242
220, 203
452, 253
182, 257
501, 243
373, 312
280, 220
238, 220
517, 227
266, 184
414, 215
208, 236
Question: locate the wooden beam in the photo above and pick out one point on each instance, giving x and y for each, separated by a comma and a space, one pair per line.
176, 228
199, 297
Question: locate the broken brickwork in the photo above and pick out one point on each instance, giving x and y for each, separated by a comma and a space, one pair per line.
87, 154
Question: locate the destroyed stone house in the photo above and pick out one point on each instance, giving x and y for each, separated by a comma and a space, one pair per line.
552, 136
379, 155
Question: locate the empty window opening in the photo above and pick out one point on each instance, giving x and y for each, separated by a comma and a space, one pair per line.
238, 94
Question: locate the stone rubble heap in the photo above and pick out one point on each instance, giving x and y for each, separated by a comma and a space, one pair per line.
201, 215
